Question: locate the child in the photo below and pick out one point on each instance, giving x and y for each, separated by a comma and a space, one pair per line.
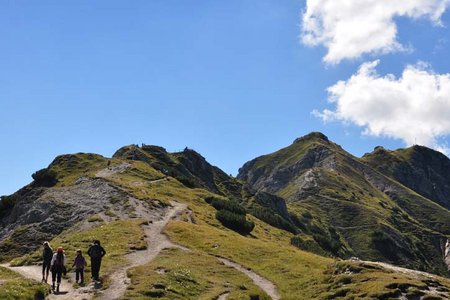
79, 263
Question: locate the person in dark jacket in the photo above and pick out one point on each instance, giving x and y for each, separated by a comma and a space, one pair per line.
47, 255
58, 267
96, 253
79, 263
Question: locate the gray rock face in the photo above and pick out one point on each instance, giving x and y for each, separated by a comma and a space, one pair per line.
316, 173
42, 213
272, 178
187, 165
275, 203
426, 171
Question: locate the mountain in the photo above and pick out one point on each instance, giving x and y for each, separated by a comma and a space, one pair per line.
288, 227
355, 207
419, 168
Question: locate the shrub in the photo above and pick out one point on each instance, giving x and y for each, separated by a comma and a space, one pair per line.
273, 219
229, 205
186, 181
235, 221
7, 202
385, 244
231, 214
329, 241
307, 215
45, 177
307, 245
296, 220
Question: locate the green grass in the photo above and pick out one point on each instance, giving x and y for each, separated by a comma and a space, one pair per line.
14, 287
267, 250
95, 218
292, 153
365, 281
138, 180
274, 260
118, 238
348, 197
178, 274
69, 168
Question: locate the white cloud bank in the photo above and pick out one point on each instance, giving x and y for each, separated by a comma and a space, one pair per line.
414, 107
350, 28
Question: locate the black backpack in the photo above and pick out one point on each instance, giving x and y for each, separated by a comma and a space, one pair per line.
96, 251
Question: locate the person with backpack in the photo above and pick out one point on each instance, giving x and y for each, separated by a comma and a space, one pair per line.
58, 268
47, 255
96, 253
79, 263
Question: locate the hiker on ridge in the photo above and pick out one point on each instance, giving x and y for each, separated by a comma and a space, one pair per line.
58, 268
96, 252
47, 255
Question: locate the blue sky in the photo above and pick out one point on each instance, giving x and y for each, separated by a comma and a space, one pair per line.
230, 79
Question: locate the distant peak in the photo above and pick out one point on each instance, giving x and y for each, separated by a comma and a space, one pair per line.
153, 149
427, 151
422, 148
313, 135
188, 152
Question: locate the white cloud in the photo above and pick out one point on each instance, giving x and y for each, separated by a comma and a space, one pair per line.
414, 107
350, 28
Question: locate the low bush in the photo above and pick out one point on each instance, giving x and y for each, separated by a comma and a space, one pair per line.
384, 243
186, 181
235, 221
45, 177
7, 202
328, 241
298, 222
229, 205
307, 245
231, 214
273, 219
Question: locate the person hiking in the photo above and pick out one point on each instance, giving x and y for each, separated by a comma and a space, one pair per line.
58, 268
47, 255
79, 263
96, 252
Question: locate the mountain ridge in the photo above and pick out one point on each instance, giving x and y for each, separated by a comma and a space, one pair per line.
308, 204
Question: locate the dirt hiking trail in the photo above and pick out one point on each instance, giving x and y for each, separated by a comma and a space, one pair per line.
156, 241
266, 285
118, 280
433, 288
67, 292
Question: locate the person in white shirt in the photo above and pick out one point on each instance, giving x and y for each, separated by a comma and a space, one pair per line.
57, 266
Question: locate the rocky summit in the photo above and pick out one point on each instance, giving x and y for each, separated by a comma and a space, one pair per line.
309, 221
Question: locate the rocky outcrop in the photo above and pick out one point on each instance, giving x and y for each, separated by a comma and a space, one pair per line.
273, 177
188, 166
421, 169
39, 214
272, 202
373, 213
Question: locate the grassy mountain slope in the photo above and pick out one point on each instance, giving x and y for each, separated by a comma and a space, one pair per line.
14, 286
351, 209
105, 194
423, 170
